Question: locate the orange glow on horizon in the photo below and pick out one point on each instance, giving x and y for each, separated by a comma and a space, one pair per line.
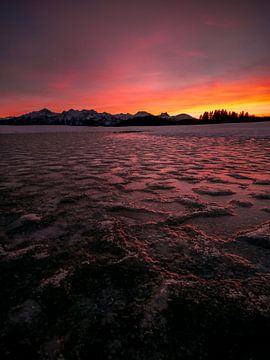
246, 95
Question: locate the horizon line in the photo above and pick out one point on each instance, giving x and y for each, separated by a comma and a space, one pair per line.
172, 113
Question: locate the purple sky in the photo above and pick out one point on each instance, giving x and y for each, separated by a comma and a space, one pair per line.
125, 56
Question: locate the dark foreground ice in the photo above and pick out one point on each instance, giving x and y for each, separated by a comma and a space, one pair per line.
135, 243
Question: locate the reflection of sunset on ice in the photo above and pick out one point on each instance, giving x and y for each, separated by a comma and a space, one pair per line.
165, 231
134, 180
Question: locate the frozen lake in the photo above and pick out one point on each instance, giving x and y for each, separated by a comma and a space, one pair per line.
244, 129
101, 227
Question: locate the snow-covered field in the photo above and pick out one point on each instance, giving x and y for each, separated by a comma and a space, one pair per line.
132, 222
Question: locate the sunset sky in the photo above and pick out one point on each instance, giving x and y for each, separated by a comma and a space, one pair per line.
126, 56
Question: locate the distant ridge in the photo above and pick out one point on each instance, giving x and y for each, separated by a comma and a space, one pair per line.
141, 118
93, 118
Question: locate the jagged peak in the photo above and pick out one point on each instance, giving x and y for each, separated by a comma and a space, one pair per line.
142, 114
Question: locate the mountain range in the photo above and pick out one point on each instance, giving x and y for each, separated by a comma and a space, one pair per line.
94, 118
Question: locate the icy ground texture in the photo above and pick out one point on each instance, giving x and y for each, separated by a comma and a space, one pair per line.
134, 246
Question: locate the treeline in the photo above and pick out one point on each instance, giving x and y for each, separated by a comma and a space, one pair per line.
224, 115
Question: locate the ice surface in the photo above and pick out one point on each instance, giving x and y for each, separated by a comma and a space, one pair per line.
158, 238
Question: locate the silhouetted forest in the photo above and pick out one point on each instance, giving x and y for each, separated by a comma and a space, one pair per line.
224, 115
